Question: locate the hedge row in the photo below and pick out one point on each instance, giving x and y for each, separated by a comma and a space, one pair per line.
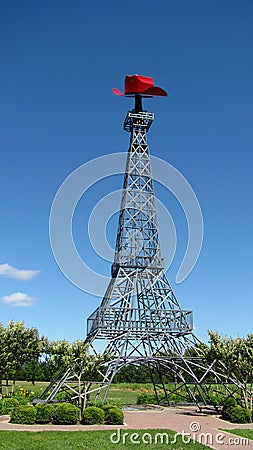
61, 413
108, 414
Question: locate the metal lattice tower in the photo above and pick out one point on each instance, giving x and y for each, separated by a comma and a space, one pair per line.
140, 320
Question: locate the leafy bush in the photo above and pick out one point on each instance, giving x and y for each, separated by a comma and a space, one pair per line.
229, 402
150, 398
174, 397
237, 414
23, 395
63, 396
146, 397
102, 404
66, 413
8, 405
216, 398
44, 413
114, 416
24, 414
93, 415
107, 406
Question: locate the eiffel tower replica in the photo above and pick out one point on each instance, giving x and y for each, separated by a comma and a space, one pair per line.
140, 320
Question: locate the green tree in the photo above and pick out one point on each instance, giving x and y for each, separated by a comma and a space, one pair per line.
51, 356
237, 357
85, 367
22, 345
3, 357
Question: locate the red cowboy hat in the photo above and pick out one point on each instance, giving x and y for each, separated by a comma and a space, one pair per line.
143, 86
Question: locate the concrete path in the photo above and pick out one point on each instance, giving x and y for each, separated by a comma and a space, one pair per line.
184, 420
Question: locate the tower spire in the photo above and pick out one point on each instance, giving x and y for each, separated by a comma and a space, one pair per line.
138, 103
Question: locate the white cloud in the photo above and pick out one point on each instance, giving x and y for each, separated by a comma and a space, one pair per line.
18, 299
18, 274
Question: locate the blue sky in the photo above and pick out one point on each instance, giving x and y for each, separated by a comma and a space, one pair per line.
59, 61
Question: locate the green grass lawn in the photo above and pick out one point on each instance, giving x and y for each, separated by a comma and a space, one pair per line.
122, 393
124, 396
43, 384
243, 432
67, 440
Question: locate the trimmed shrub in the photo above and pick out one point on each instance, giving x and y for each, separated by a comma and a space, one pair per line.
44, 413
8, 405
24, 414
230, 402
93, 415
237, 414
108, 406
114, 416
66, 413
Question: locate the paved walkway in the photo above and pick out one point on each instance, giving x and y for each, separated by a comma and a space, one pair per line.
184, 420
200, 427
